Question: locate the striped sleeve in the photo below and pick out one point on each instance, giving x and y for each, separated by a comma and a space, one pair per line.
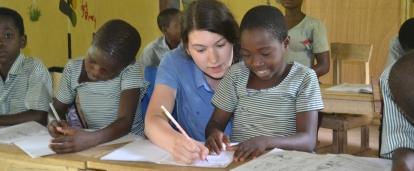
65, 93
309, 97
131, 77
397, 132
39, 90
225, 97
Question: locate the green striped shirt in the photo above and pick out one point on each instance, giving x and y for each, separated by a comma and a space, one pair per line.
99, 101
269, 112
28, 86
397, 131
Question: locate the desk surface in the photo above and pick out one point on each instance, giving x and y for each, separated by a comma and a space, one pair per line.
347, 102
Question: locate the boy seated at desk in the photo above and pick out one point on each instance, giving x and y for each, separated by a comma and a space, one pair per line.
26, 86
401, 43
397, 84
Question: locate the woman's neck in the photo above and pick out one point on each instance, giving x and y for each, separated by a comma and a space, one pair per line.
213, 83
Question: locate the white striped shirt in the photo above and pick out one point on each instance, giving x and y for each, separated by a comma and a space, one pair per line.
269, 112
28, 86
397, 131
99, 101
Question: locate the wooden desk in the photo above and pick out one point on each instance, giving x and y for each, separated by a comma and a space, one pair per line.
345, 102
12, 158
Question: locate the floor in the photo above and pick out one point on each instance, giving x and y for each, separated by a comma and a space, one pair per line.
354, 141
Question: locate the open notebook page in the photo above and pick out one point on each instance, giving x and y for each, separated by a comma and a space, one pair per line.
18, 132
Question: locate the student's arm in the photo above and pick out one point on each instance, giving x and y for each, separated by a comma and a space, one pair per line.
160, 132
403, 159
29, 115
78, 139
322, 63
215, 130
55, 126
303, 140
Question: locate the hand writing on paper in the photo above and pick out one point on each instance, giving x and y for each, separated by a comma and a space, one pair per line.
187, 150
55, 126
217, 141
251, 148
73, 140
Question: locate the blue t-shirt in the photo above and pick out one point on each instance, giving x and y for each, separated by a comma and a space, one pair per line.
193, 100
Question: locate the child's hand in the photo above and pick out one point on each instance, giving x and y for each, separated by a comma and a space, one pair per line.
188, 150
217, 141
55, 128
251, 148
74, 140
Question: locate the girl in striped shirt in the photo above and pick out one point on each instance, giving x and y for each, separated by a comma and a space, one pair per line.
273, 104
108, 84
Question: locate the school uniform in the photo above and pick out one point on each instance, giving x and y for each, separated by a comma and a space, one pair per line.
268, 112
154, 51
307, 38
193, 99
395, 51
28, 86
99, 101
397, 131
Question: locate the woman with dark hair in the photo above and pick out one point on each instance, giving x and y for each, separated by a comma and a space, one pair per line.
188, 76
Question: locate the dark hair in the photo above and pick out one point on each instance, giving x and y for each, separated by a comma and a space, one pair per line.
266, 17
406, 34
15, 16
165, 16
401, 83
119, 40
212, 16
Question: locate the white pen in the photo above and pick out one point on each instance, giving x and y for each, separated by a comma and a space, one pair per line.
54, 112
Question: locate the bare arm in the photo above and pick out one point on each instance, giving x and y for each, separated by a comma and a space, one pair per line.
403, 159
29, 115
322, 63
160, 132
215, 130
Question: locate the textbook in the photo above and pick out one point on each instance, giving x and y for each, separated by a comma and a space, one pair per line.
145, 151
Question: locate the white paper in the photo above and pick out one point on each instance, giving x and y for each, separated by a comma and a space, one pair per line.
144, 150
277, 160
124, 139
18, 132
355, 88
36, 146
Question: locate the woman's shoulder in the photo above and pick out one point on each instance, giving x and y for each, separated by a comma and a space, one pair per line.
178, 56
312, 22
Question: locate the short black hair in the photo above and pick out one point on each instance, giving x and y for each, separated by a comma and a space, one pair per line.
15, 16
401, 83
406, 34
120, 40
165, 16
267, 17
212, 16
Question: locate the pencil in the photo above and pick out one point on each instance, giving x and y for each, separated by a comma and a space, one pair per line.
54, 112
168, 114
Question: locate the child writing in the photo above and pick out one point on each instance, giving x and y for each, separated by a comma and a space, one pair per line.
397, 84
26, 86
108, 83
273, 104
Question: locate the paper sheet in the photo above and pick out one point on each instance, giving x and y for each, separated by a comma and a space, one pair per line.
36, 146
18, 132
144, 150
124, 139
277, 160
355, 88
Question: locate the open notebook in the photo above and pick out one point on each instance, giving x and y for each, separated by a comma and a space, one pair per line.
34, 138
354, 88
144, 150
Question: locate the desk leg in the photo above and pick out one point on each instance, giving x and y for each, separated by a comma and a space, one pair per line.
364, 137
340, 141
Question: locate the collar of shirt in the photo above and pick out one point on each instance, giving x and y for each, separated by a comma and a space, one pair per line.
17, 66
200, 79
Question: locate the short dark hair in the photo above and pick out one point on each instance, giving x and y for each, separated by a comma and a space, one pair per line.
212, 16
401, 83
406, 34
15, 16
120, 40
266, 17
165, 16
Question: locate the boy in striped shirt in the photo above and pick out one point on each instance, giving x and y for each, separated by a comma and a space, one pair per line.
397, 84
26, 86
273, 104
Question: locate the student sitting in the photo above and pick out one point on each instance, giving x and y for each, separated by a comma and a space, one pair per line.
108, 83
397, 84
273, 104
26, 86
